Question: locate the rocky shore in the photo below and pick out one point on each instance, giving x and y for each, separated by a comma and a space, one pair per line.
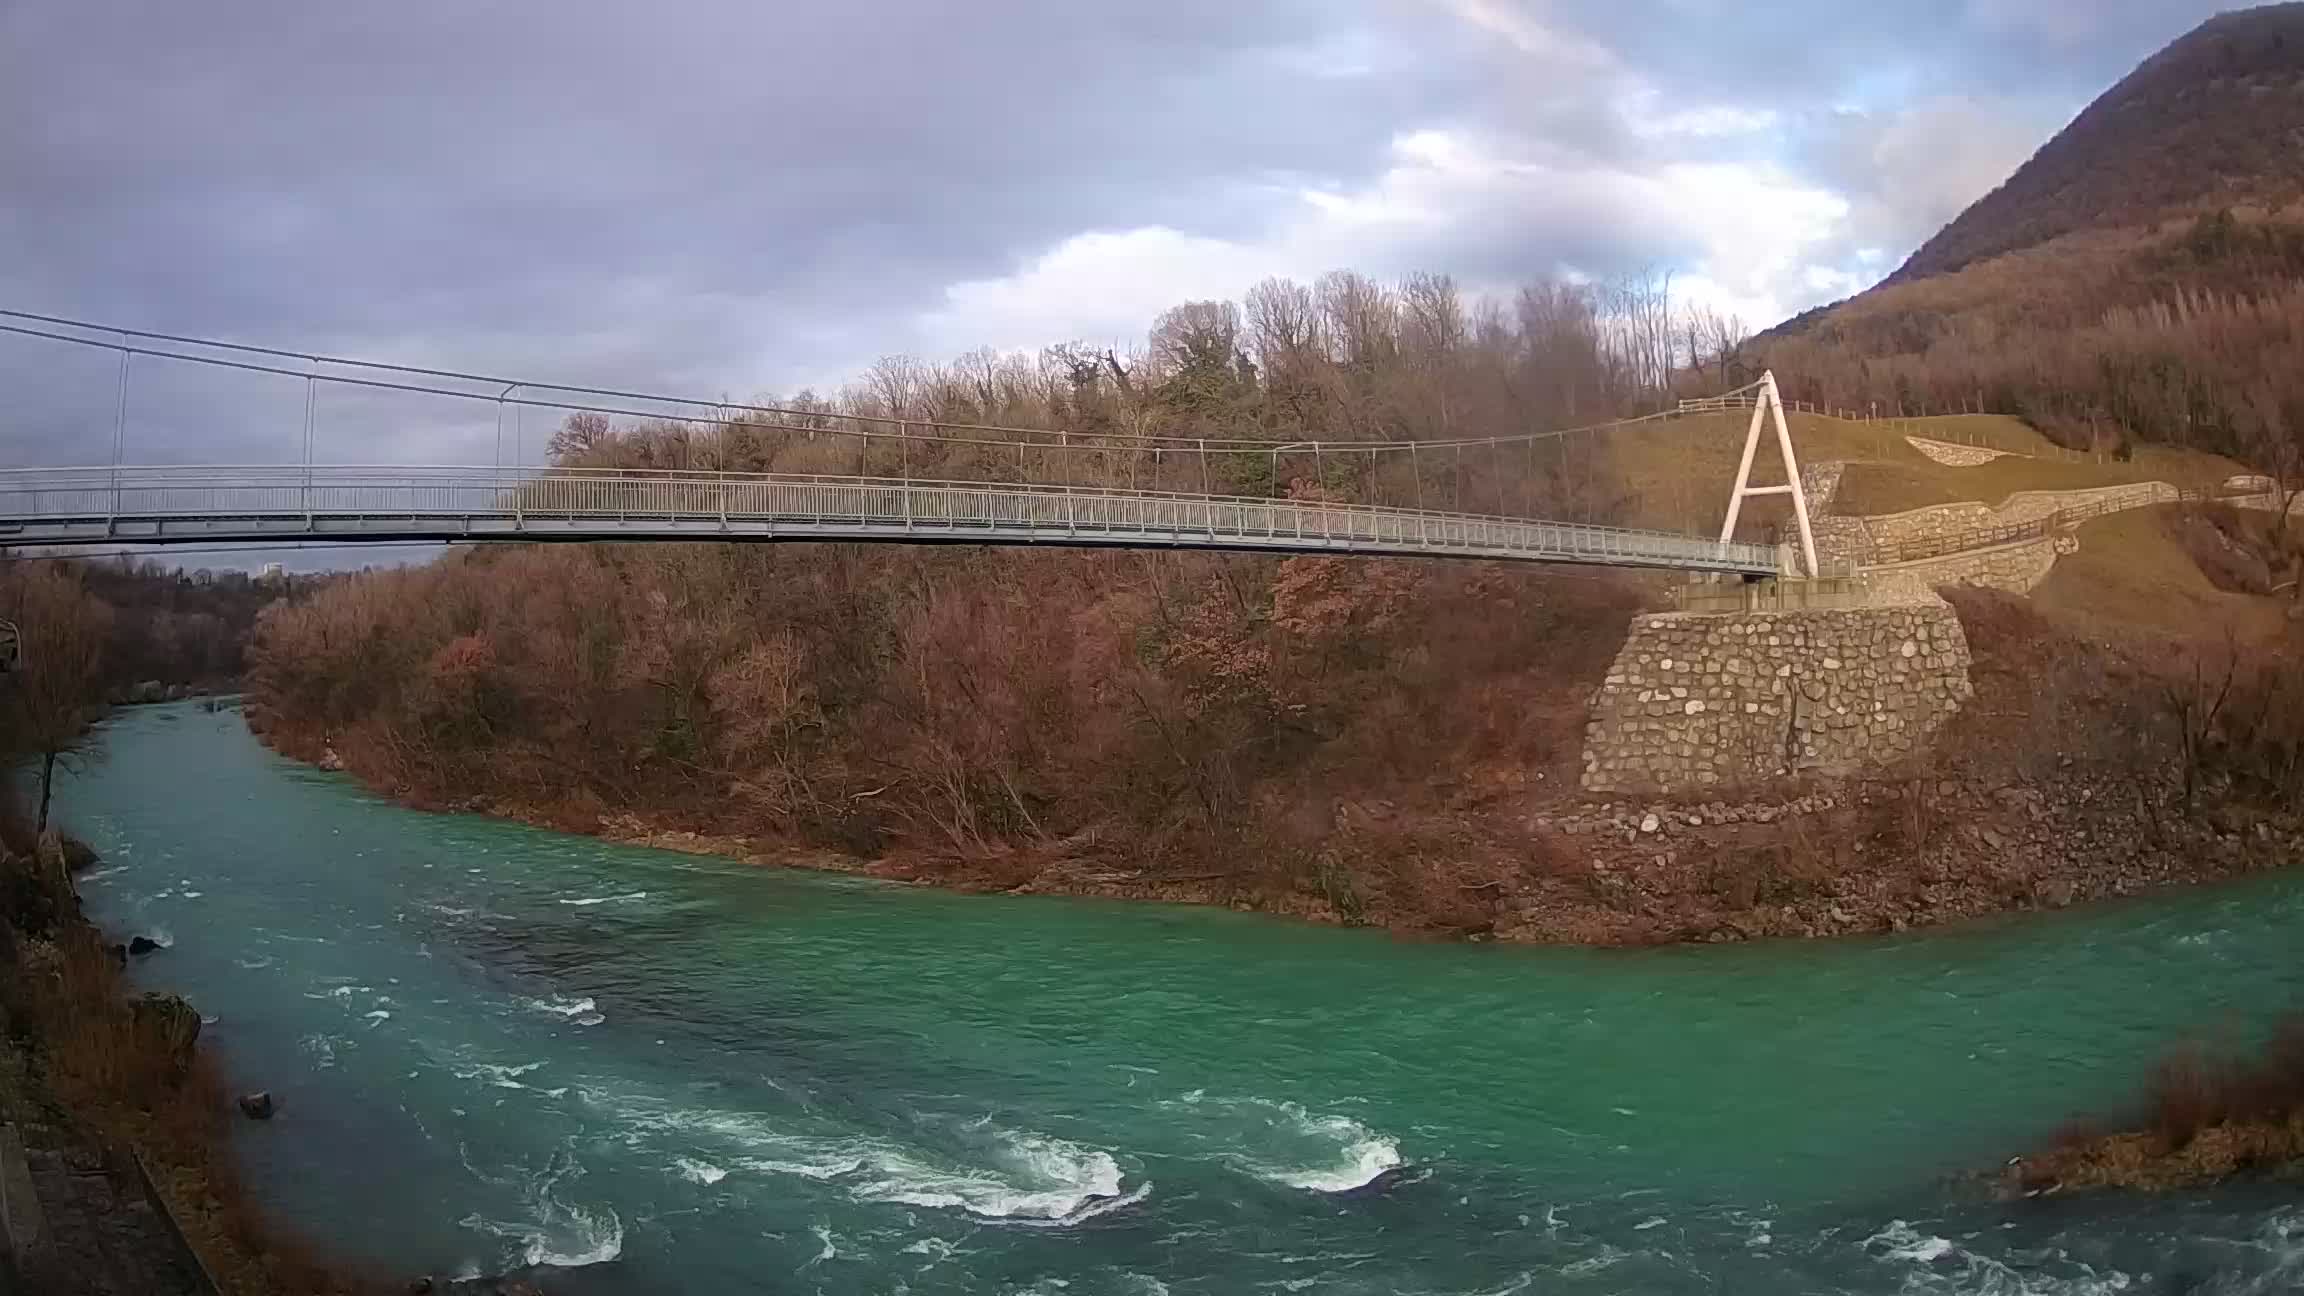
117, 1176
1823, 859
120, 1119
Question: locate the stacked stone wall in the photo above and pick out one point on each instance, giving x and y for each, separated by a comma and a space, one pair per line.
2016, 568
1948, 521
1704, 701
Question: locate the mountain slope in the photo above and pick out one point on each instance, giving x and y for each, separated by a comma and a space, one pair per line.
2214, 120
2141, 278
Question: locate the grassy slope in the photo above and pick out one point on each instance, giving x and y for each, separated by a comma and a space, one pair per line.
2133, 578
1682, 469
1873, 488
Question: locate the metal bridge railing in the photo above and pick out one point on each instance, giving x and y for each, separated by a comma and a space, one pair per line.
88, 505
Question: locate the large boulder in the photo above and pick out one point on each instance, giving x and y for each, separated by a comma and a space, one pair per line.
142, 945
79, 856
169, 1024
258, 1105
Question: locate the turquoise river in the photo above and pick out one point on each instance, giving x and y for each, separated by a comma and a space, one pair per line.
497, 1047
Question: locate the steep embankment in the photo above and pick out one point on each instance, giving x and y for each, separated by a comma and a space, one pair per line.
121, 1115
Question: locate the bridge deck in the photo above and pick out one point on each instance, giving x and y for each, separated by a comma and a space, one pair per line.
161, 505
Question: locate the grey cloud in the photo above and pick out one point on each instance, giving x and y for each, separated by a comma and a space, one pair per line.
1905, 173
1801, 54
723, 196
664, 193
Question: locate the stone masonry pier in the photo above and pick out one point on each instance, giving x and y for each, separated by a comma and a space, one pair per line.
1701, 701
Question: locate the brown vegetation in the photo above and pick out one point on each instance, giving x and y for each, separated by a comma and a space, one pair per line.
92, 631
991, 713
176, 626
2205, 1117
2084, 339
59, 691
1177, 724
1363, 740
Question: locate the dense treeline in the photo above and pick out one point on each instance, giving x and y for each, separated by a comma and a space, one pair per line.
1157, 709
91, 633
1186, 711
1344, 359
176, 626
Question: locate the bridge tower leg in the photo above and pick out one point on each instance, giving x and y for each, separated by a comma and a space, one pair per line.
1765, 405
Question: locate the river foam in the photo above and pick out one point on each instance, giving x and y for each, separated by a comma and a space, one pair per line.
1932, 1263
1283, 1143
588, 901
553, 1230
581, 1011
1024, 1177
699, 1172
981, 1170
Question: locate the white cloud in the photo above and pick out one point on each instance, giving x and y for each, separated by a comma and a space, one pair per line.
1908, 172
1649, 119
1525, 34
1749, 231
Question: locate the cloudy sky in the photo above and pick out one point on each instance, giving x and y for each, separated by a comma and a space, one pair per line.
741, 196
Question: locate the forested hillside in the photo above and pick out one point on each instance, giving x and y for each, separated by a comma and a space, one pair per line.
2141, 277
2214, 120
1206, 717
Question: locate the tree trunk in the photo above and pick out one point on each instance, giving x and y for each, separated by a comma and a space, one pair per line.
47, 785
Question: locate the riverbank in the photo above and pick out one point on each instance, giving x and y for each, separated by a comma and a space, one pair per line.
124, 1119
1362, 744
1828, 858
2056, 786
2205, 1118
667, 1072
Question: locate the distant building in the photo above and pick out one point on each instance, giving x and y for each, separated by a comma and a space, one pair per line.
271, 573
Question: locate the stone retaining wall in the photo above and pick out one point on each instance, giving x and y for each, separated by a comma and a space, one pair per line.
1953, 455
1838, 539
1696, 701
1945, 521
2017, 568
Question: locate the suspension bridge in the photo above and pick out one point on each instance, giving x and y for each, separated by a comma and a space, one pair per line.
761, 473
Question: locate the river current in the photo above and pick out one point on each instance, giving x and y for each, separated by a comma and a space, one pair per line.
495, 1046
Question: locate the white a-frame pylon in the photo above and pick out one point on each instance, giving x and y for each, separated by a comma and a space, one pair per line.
1767, 403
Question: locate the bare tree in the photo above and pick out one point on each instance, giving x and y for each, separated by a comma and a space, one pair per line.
1197, 337
1712, 341
580, 437
1563, 370
1637, 332
1361, 319
60, 691
2269, 441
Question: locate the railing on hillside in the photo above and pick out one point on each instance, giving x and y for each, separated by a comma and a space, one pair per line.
1923, 427
1921, 548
